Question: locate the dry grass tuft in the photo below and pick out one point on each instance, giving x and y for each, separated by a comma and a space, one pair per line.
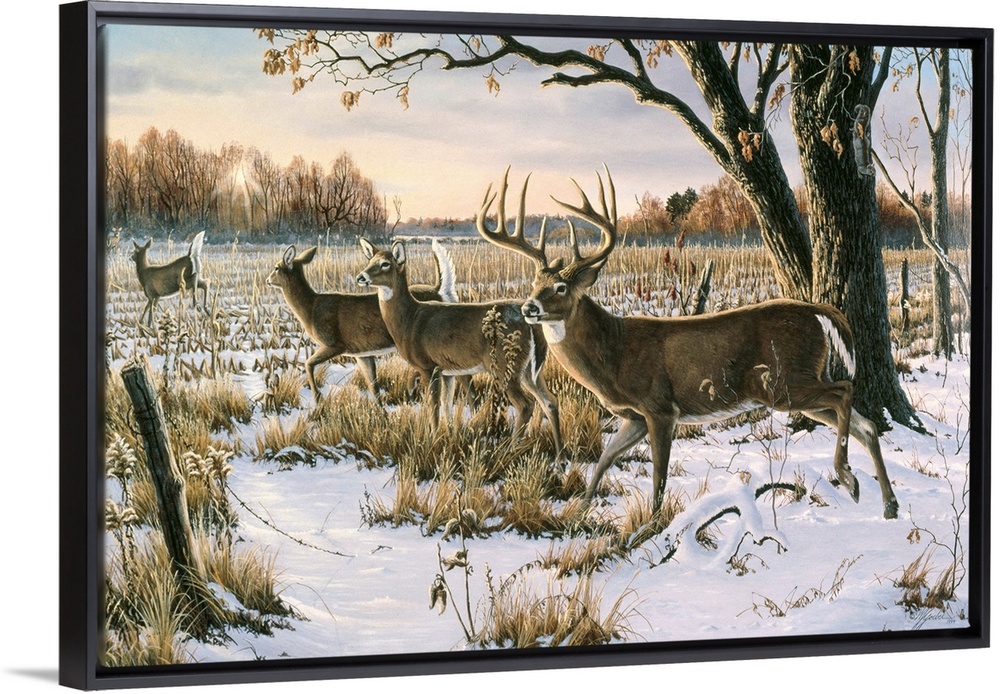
566, 613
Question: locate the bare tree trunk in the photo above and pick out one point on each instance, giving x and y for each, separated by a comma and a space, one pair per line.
848, 269
758, 173
943, 337
904, 294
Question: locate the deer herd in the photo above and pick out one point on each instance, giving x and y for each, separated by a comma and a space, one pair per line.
651, 373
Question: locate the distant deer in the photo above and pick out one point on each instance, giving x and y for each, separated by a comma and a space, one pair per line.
113, 239
449, 339
656, 373
348, 324
161, 281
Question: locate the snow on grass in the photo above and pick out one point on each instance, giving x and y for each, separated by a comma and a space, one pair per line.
822, 564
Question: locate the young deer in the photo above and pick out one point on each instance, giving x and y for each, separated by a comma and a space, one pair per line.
348, 324
449, 339
161, 281
656, 373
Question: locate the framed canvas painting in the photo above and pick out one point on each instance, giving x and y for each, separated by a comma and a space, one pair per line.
420, 342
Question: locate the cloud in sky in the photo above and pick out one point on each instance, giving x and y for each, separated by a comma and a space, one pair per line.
440, 153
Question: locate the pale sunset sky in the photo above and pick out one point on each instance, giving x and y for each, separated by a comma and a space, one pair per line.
438, 155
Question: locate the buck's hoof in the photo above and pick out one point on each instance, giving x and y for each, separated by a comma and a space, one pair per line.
891, 511
847, 479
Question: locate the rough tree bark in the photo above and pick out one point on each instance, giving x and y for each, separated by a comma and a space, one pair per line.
828, 82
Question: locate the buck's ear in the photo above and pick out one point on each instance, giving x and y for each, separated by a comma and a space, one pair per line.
399, 253
149, 242
586, 276
288, 257
367, 248
307, 256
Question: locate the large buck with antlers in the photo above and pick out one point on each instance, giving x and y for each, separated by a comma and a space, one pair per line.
445, 340
345, 324
655, 373
161, 281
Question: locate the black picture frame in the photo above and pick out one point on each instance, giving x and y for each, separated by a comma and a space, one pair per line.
82, 345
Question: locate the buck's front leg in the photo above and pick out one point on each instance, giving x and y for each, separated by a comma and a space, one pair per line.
661, 437
629, 433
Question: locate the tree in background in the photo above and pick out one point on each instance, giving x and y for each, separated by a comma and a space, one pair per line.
679, 205
166, 183
899, 148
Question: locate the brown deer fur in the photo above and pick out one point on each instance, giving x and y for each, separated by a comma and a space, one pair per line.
161, 281
449, 339
341, 324
656, 373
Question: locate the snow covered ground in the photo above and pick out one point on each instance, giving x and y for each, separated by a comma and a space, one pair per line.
823, 564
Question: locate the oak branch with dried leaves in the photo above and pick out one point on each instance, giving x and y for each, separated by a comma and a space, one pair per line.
835, 258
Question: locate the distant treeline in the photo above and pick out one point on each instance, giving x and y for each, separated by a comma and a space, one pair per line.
164, 185
720, 213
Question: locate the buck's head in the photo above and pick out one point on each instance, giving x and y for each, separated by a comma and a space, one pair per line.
384, 267
290, 267
558, 286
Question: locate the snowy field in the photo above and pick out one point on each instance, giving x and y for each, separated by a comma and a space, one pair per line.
771, 565
824, 564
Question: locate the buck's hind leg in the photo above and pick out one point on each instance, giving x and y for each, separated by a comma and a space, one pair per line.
863, 431
835, 398
472, 396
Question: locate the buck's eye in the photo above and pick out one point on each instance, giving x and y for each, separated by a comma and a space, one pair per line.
560, 288
385, 265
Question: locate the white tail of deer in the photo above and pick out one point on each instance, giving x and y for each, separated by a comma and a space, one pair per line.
161, 281
347, 324
449, 339
656, 373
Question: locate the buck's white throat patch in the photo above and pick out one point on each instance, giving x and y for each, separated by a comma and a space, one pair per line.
384, 293
555, 331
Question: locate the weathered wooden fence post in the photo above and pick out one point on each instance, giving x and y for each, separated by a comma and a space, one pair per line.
704, 285
904, 293
168, 482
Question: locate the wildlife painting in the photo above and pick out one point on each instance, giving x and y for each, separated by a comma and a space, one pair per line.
418, 341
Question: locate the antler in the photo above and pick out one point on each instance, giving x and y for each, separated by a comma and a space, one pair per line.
501, 237
605, 220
